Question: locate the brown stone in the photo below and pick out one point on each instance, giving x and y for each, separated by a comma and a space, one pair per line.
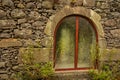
26, 25
32, 43
5, 35
39, 5
110, 22
47, 42
115, 33
89, 2
34, 15
25, 33
8, 3
20, 21
10, 43
37, 24
47, 4
7, 24
20, 5
104, 6
30, 5
79, 2
2, 64
3, 72
98, 4
3, 76
39, 54
110, 54
28, 0
17, 13
115, 14
2, 13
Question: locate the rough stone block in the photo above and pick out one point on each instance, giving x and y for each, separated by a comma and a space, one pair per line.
47, 4
89, 2
47, 42
37, 24
10, 43
3, 72
7, 24
34, 15
28, 0
20, 21
26, 25
39, 54
31, 43
2, 13
30, 5
2, 64
5, 35
17, 13
39, 5
110, 54
115, 33
25, 33
20, 5
8, 3
3, 76
110, 22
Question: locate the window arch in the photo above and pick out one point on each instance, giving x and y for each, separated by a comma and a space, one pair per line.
56, 19
74, 37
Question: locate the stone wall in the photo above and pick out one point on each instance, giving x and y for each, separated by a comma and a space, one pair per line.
22, 23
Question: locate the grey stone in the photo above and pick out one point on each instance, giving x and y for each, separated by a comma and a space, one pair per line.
18, 13
34, 15
2, 13
26, 25
8, 3
5, 35
25, 33
2, 64
47, 4
30, 5
7, 24
10, 43
20, 21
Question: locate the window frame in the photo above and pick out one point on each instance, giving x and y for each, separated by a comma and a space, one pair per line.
95, 66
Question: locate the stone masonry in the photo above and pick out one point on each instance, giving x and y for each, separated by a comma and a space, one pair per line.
23, 23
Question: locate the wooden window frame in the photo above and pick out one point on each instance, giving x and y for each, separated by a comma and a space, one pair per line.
76, 44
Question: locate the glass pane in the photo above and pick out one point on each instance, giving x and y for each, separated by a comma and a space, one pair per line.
65, 44
87, 39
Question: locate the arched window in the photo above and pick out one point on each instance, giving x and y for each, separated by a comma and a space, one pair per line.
74, 38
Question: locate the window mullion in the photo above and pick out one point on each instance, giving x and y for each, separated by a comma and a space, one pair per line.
76, 42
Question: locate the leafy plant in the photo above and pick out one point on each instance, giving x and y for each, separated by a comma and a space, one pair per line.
31, 70
108, 70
